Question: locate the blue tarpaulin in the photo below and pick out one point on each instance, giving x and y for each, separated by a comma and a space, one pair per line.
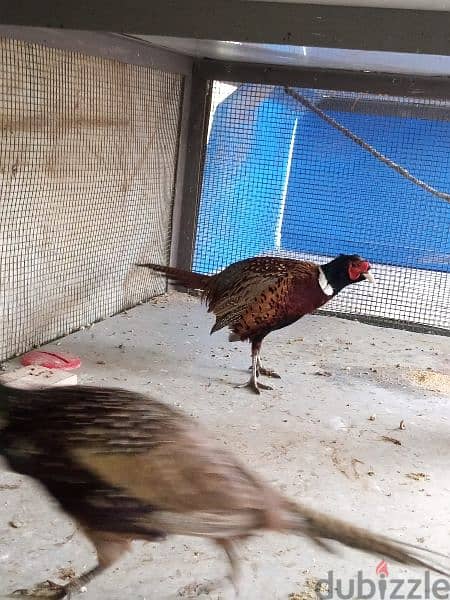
277, 177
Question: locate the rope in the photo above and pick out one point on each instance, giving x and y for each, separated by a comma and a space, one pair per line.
384, 159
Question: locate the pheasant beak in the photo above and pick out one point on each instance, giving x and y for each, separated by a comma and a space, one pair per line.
370, 278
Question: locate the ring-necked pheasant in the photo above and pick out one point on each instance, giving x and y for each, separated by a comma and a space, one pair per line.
258, 295
127, 467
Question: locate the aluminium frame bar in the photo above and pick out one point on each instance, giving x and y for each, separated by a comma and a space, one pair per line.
295, 23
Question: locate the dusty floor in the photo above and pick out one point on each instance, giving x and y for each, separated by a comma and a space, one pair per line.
328, 435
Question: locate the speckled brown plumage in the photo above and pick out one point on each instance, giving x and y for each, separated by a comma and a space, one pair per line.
258, 295
126, 467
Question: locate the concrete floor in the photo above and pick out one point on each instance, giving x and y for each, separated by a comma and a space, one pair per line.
318, 436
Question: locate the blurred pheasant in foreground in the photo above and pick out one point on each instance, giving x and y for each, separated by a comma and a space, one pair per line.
126, 467
258, 295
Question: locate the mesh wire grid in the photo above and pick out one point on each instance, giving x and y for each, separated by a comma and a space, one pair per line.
87, 167
280, 180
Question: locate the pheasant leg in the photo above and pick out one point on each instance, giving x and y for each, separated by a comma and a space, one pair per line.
229, 546
253, 382
110, 548
267, 372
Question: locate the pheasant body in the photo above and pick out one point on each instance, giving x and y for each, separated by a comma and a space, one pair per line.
258, 295
126, 467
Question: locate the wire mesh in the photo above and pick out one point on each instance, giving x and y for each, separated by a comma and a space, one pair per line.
87, 168
280, 180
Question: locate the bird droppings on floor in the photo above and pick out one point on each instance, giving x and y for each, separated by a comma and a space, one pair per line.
418, 476
388, 438
66, 573
313, 437
197, 590
312, 590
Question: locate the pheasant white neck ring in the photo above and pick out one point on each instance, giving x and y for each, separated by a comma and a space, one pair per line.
325, 284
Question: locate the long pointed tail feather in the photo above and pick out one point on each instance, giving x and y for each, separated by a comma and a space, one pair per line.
319, 527
189, 279
299, 520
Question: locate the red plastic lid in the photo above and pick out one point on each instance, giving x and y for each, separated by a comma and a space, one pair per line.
50, 360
